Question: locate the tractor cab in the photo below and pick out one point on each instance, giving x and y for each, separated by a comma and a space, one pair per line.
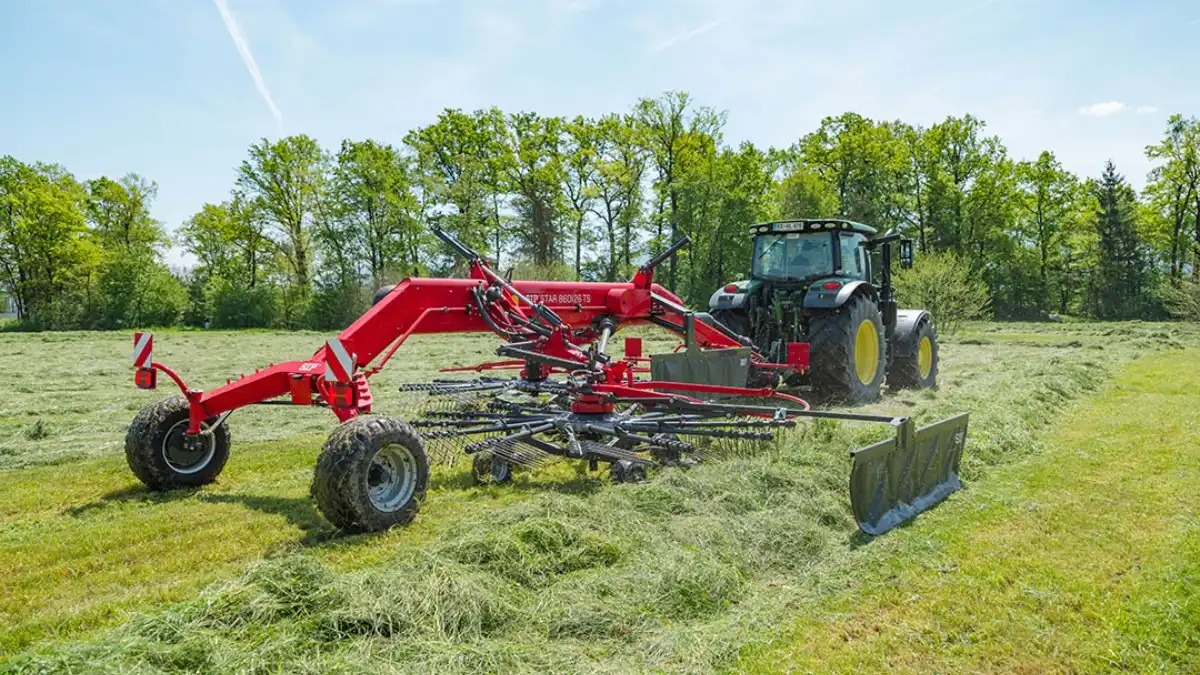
799, 252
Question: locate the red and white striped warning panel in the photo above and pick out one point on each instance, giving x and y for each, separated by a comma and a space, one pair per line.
143, 348
339, 362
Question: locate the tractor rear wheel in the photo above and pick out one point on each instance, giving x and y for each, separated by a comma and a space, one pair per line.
916, 365
847, 352
162, 456
372, 474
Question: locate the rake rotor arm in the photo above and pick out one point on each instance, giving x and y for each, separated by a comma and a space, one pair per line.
544, 322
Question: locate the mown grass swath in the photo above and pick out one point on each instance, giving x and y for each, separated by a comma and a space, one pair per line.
680, 573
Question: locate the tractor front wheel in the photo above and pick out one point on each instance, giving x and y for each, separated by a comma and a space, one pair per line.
847, 352
163, 456
372, 474
915, 363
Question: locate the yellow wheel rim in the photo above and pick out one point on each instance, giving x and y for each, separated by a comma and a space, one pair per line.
925, 357
866, 352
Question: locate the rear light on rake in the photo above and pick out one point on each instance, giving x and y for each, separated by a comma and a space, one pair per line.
145, 378
341, 394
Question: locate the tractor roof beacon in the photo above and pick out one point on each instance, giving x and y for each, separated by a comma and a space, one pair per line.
571, 399
827, 284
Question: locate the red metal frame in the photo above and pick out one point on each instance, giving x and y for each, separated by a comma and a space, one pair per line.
453, 306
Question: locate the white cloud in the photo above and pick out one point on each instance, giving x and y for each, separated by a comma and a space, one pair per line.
243, 47
1105, 109
1146, 109
683, 37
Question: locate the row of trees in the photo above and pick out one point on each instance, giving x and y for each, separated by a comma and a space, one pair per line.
306, 232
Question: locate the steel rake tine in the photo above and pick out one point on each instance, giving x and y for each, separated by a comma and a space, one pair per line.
514, 452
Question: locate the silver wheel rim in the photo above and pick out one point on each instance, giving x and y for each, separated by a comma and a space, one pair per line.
181, 460
392, 477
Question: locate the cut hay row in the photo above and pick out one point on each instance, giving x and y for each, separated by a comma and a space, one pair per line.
677, 574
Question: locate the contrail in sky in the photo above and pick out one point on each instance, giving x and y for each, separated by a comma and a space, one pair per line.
243, 47
684, 37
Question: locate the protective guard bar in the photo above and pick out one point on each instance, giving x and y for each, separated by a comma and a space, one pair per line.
895, 479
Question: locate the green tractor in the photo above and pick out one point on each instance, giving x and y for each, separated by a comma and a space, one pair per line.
828, 283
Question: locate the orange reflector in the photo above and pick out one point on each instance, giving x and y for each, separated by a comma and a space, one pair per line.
831, 285
145, 378
341, 395
301, 389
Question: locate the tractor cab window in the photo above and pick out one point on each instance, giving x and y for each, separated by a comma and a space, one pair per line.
853, 256
793, 256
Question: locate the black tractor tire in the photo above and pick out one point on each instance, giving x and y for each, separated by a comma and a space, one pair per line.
157, 455
371, 475
833, 363
626, 471
912, 370
488, 469
735, 320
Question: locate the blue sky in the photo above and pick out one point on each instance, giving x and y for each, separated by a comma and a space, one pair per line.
163, 88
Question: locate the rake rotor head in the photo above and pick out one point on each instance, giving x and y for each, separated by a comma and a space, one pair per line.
530, 423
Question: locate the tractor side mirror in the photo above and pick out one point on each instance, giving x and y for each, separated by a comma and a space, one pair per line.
906, 253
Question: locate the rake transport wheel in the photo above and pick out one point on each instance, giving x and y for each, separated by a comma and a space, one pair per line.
915, 365
625, 471
847, 352
372, 474
160, 454
488, 469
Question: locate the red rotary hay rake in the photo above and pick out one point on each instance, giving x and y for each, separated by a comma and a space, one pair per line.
571, 400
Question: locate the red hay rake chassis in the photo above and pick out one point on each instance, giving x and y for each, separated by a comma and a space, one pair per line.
571, 400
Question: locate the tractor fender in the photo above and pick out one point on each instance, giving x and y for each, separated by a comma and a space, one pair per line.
381, 293
723, 300
820, 298
904, 341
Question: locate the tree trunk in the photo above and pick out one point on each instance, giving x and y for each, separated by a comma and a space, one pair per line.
579, 247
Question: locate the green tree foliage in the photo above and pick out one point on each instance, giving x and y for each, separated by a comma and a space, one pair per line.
235, 259
535, 173
78, 255
1120, 282
580, 182
136, 289
1183, 300
1173, 195
619, 174
284, 181
674, 135
461, 159
48, 261
372, 192
948, 286
306, 234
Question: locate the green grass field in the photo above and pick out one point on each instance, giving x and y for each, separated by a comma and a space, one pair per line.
1074, 546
